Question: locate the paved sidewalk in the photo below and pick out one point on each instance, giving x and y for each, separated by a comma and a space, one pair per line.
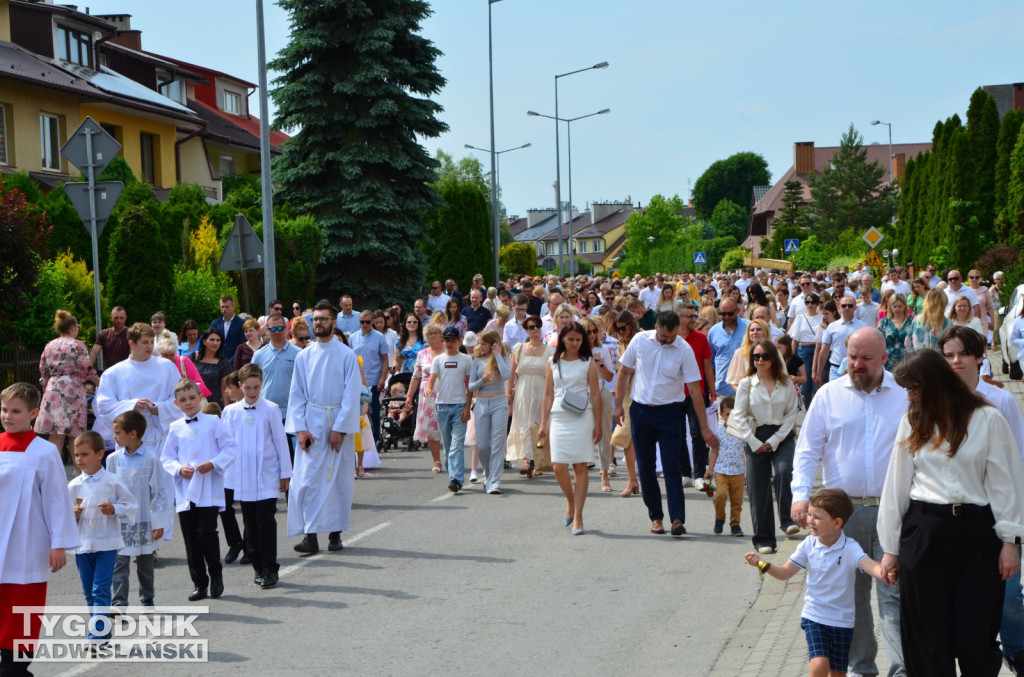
769, 640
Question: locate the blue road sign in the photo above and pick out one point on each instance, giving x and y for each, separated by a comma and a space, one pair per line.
790, 246
700, 258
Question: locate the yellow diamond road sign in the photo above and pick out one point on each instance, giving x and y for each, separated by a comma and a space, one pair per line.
872, 237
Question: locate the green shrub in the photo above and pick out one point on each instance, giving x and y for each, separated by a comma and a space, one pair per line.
519, 258
196, 296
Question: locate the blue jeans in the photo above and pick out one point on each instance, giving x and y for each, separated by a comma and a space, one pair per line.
453, 438
96, 569
1011, 630
653, 429
806, 353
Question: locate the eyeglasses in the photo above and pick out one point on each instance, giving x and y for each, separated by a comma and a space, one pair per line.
810, 303
365, 321
620, 327
274, 330
953, 279
592, 331
278, 308
435, 287
531, 327
302, 338
805, 284
726, 313
760, 357
974, 277
847, 305
321, 319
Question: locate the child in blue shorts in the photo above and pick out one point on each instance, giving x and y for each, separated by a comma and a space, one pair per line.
831, 559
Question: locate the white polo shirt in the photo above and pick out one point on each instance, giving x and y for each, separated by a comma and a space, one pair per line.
661, 371
830, 578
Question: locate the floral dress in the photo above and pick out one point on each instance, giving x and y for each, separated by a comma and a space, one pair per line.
64, 367
895, 340
426, 414
409, 355
922, 336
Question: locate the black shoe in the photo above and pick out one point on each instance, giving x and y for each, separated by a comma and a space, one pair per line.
308, 545
245, 559
232, 555
334, 542
1015, 663
269, 580
454, 486
197, 595
216, 588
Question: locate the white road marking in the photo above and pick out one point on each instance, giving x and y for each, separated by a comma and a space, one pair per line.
347, 541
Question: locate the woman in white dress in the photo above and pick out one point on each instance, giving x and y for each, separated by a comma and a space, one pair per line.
572, 435
526, 394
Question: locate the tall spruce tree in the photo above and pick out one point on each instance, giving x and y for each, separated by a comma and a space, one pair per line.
983, 130
355, 84
1008, 132
849, 192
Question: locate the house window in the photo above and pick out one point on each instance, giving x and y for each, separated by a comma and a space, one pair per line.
232, 103
49, 141
171, 87
226, 166
581, 246
147, 144
549, 248
598, 246
3, 135
74, 46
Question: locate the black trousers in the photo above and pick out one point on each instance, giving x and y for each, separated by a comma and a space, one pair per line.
227, 518
11, 668
766, 473
951, 594
261, 534
202, 544
700, 447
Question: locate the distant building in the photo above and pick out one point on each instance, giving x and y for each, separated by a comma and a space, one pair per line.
1007, 97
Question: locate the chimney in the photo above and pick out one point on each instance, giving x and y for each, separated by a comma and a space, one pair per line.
602, 210
126, 37
899, 164
803, 157
535, 216
1018, 96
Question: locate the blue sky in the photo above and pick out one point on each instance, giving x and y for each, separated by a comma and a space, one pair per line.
689, 82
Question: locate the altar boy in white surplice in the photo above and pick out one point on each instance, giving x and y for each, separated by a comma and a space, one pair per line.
323, 413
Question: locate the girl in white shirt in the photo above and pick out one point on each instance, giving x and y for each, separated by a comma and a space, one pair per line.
949, 518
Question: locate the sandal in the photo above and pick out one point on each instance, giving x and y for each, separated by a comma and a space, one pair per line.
437, 467
605, 484
525, 469
632, 489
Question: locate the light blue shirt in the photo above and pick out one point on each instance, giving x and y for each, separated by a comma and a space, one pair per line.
348, 323
373, 348
277, 366
723, 345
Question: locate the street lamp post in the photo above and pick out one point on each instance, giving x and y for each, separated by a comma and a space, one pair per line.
495, 227
558, 159
568, 129
891, 177
497, 168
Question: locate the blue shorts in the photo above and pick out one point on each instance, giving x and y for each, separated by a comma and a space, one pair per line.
828, 641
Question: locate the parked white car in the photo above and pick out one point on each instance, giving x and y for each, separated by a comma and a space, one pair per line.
1009, 314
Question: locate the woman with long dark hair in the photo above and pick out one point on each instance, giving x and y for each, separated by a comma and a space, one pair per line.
525, 391
212, 366
949, 516
410, 343
571, 373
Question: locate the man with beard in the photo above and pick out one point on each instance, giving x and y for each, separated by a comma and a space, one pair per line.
850, 429
323, 414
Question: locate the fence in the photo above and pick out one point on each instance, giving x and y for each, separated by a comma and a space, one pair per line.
18, 364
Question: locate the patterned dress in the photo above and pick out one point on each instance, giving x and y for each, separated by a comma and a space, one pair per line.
427, 429
895, 340
64, 368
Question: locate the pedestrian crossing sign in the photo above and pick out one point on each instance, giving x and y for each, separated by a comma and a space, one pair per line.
873, 260
700, 258
790, 246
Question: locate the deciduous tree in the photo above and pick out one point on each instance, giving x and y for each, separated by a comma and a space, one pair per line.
733, 178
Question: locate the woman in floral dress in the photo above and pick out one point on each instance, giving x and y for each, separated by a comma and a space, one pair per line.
64, 368
427, 431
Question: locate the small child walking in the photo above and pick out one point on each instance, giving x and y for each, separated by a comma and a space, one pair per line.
139, 467
102, 503
827, 616
728, 466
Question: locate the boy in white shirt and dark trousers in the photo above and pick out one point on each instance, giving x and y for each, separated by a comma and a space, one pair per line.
260, 472
139, 467
197, 450
827, 616
449, 379
101, 503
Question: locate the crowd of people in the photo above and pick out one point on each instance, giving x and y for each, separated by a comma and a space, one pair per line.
676, 380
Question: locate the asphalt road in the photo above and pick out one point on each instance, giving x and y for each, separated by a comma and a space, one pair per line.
432, 583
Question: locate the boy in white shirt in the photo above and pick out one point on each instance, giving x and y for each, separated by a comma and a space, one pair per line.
101, 503
139, 467
449, 378
36, 523
260, 472
827, 616
197, 450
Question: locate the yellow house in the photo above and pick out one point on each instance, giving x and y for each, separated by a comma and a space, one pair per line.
53, 75
596, 236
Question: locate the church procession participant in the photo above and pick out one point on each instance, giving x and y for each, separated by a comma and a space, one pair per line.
323, 413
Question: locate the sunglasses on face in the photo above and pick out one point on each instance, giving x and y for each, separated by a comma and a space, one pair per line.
274, 330
974, 277
531, 327
954, 279
365, 321
620, 327
302, 338
726, 313
760, 357
411, 323
846, 305
592, 331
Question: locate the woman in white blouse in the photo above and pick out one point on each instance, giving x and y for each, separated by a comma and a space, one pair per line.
765, 413
949, 518
806, 330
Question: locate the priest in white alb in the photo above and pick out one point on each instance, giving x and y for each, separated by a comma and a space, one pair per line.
323, 414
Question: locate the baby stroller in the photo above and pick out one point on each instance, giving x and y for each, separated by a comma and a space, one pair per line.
393, 431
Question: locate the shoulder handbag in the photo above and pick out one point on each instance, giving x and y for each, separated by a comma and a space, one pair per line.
573, 401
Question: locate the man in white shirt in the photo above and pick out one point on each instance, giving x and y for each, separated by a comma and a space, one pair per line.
797, 302
514, 332
650, 293
964, 350
933, 279
895, 283
836, 334
548, 318
955, 287
744, 281
437, 299
867, 309
850, 430
664, 369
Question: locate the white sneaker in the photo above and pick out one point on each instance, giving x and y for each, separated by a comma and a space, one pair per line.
687, 482
472, 477
766, 550
699, 484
